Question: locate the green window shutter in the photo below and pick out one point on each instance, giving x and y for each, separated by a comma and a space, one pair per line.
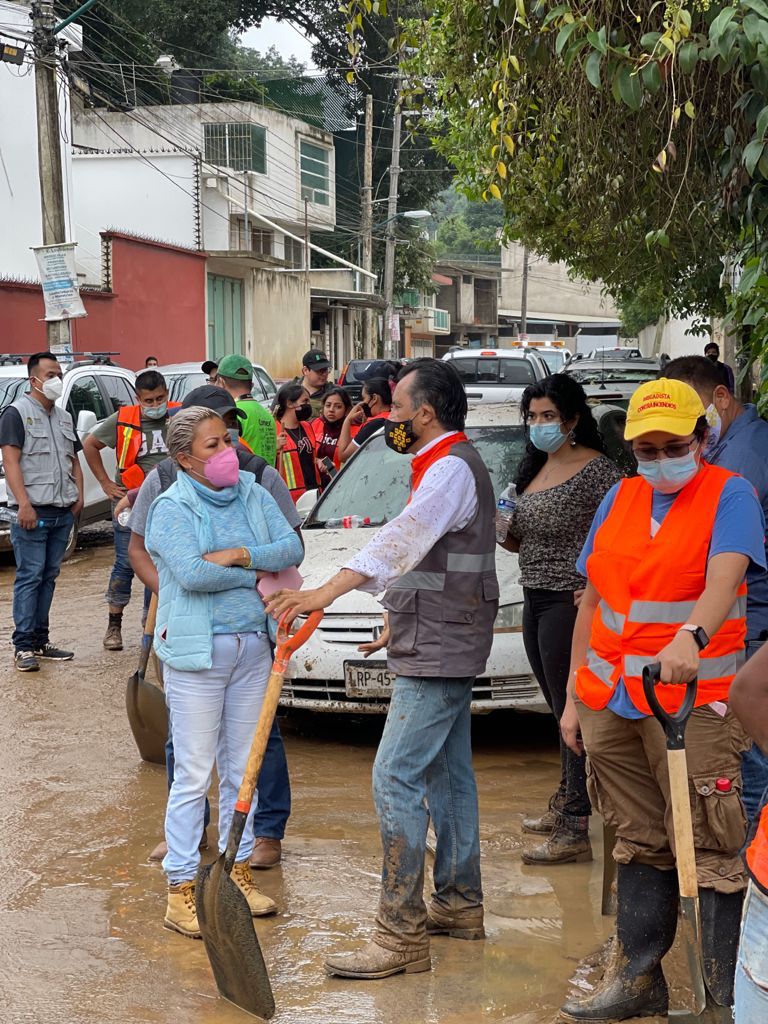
258, 149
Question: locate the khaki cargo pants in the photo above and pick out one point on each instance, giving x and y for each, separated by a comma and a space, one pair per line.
629, 785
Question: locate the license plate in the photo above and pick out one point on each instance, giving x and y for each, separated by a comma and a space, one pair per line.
367, 679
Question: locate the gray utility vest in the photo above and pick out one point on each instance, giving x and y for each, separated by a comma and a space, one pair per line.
49, 447
441, 613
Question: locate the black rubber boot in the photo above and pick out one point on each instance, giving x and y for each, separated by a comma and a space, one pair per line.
720, 927
646, 921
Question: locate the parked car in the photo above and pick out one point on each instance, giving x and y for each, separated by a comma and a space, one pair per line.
615, 353
185, 377
93, 390
497, 374
556, 359
612, 382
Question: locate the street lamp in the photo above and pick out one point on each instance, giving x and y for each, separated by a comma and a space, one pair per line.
389, 275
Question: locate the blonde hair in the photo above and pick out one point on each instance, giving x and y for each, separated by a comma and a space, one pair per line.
183, 427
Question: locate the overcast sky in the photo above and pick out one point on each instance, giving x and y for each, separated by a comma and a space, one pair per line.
288, 40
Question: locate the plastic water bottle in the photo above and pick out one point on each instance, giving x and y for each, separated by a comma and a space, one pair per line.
348, 522
504, 511
9, 515
125, 517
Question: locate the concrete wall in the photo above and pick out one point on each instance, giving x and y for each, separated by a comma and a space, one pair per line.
280, 322
552, 294
670, 337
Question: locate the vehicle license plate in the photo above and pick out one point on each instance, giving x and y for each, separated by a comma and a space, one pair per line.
367, 679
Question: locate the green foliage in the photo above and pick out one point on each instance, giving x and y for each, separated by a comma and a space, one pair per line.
465, 227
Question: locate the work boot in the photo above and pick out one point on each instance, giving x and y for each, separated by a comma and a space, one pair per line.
568, 842
374, 961
545, 822
646, 919
720, 927
258, 904
457, 924
25, 661
181, 914
113, 638
50, 653
267, 853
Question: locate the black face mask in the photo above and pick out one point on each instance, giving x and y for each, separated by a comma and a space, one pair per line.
399, 436
713, 356
304, 412
366, 409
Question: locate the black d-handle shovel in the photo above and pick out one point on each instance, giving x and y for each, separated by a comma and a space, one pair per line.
704, 1008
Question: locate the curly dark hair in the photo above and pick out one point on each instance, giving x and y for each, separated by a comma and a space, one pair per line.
570, 400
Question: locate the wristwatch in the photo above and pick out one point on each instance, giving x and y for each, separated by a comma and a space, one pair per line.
699, 635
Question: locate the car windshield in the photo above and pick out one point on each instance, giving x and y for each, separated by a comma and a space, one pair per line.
180, 384
554, 360
12, 388
487, 370
613, 374
353, 368
376, 482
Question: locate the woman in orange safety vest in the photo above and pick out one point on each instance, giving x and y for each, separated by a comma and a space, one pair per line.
296, 444
665, 561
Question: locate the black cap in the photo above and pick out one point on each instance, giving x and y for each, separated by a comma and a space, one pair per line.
211, 397
209, 365
315, 360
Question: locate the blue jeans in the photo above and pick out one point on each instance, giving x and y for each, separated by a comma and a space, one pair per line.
751, 991
754, 764
213, 718
38, 556
274, 804
425, 760
121, 577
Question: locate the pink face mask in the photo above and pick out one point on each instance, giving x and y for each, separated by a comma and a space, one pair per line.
222, 469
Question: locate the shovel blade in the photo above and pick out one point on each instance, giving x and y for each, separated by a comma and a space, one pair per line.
690, 936
148, 718
231, 942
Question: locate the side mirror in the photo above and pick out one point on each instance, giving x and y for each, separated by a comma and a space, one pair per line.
306, 503
86, 421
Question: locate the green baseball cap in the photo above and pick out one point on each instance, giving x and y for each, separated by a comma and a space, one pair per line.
236, 368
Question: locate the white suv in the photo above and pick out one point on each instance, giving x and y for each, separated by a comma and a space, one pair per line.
93, 390
497, 374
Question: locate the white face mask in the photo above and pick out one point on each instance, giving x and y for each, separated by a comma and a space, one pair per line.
715, 425
52, 388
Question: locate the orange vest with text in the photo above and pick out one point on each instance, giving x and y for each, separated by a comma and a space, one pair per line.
128, 445
289, 463
757, 852
648, 589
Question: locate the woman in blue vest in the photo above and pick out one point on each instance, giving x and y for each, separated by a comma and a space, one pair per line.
210, 534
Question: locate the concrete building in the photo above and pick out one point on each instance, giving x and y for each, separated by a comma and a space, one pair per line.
425, 324
468, 293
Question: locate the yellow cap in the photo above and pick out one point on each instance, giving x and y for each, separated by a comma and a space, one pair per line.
668, 405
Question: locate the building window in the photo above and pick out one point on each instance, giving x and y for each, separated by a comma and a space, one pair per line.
243, 147
315, 174
294, 253
261, 242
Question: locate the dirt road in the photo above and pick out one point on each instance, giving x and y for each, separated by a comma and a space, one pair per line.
81, 907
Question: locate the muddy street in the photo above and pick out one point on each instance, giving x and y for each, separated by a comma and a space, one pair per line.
81, 906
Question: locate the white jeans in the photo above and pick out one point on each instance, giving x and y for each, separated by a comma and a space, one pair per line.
213, 718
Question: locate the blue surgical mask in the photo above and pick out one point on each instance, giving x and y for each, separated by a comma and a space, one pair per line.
155, 412
715, 425
668, 476
547, 437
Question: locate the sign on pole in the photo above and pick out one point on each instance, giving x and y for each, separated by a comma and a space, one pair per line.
58, 276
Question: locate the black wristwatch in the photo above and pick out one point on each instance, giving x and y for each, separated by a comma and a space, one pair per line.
699, 635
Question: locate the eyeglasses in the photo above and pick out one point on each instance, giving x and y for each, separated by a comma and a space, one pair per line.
676, 450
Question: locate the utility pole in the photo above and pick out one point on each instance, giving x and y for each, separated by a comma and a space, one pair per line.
389, 255
367, 225
49, 149
306, 241
524, 295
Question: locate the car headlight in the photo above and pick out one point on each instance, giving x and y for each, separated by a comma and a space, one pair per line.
509, 619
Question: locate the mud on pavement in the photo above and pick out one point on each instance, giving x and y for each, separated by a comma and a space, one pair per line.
81, 907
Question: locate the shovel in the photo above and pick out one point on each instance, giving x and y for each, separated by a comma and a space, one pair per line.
145, 703
222, 911
705, 1010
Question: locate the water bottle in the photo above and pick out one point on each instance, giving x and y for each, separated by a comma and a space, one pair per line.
504, 511
125, 517
10, 515
348, 522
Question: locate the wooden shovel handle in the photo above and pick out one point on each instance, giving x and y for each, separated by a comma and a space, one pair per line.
682, 823
260, 740
149, 632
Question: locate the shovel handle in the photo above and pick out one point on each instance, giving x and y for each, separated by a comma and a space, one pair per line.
289, 643
673, 724
146, 640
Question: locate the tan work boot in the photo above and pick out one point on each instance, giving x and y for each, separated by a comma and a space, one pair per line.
457, 924
374, 961
180, 914
267, 853
568, 843
258, 904
113, 638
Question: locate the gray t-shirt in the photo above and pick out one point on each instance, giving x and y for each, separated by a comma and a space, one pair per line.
152, 486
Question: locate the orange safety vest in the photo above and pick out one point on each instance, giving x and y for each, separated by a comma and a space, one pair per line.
648, 589
757, 852
289, 463
129, 444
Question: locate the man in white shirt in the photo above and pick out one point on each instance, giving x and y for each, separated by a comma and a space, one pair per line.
436, 562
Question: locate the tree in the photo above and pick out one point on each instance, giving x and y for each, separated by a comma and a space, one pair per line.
467, 228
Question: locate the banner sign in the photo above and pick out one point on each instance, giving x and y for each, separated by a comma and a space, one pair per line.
58, 276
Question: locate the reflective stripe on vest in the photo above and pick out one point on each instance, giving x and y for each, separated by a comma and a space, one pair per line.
709, 668
600, 667
676, 612
419, 580
611, 620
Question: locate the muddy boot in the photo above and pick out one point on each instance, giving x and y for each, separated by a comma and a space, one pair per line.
567, 843
258, 904
113, 638
457, 924
646, 920
545, 822
374, 961
180, 914
267, 853
720, 927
